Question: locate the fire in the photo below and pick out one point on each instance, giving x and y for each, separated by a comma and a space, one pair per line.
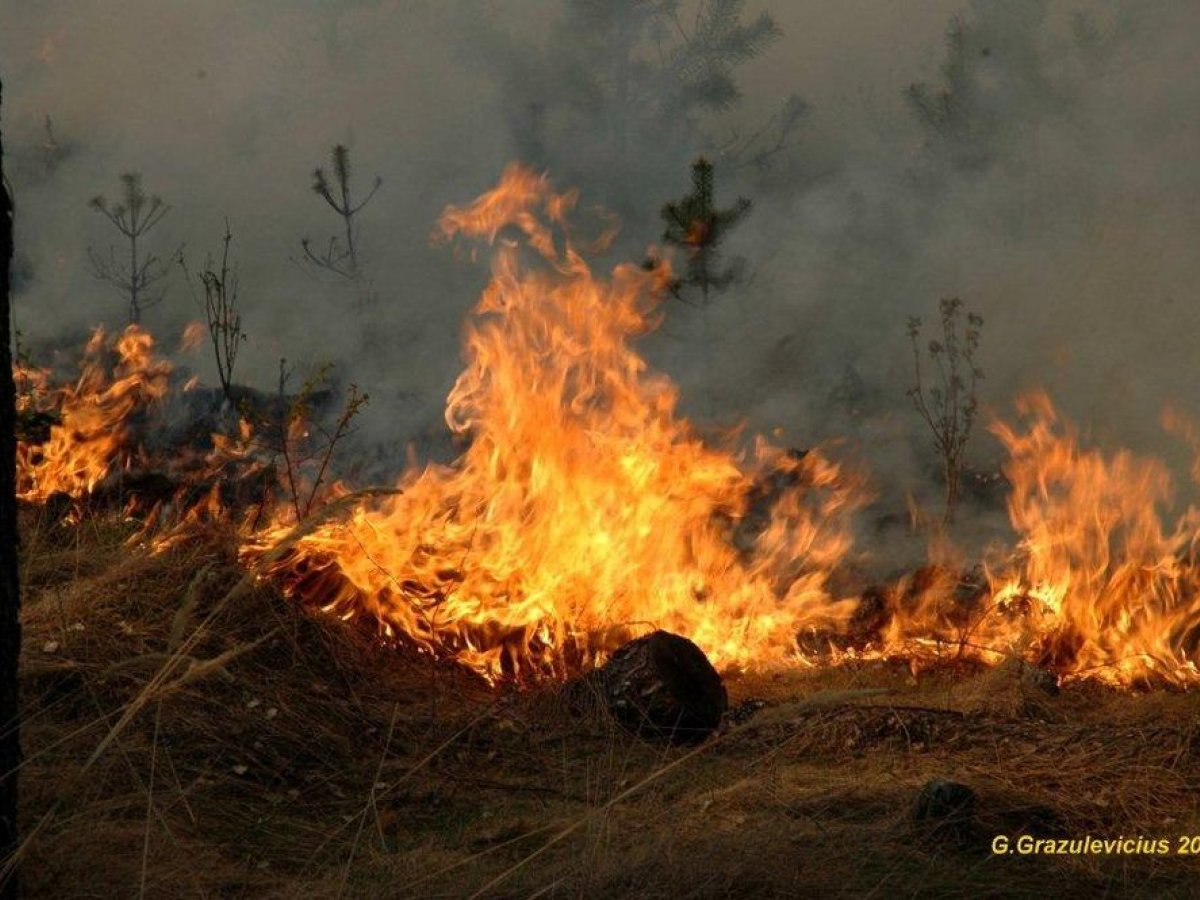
193, 335
1102, 583
585, 509
1114, 582
92, 435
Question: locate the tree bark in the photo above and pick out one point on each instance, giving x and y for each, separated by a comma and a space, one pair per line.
10, 587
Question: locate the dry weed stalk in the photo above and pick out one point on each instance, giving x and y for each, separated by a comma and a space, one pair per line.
948, 403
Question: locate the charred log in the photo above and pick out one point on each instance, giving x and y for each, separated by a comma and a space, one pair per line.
237, 489
662, 687
987, 487
51, 518
147, 488
956, 595
1041, 680
195, 415
864, 628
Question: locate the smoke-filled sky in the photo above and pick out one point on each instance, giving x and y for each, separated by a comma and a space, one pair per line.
1061, 202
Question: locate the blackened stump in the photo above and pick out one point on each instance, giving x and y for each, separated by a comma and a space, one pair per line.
663, 687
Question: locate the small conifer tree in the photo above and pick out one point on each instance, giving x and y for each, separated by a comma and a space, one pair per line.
136, 275
698, 227
341, 256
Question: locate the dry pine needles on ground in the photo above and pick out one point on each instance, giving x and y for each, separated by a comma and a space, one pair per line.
189, 733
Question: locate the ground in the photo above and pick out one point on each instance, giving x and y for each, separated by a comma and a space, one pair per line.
190, 733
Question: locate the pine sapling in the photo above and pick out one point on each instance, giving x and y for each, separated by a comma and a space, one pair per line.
135, 276
306, 462
341, 255
698, 227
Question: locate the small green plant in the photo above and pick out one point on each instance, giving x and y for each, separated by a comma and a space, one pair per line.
948, 402
136, 276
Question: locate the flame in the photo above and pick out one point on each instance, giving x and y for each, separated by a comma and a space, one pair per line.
92, 436
193, 335
1102, 583
584, 509
1114, 581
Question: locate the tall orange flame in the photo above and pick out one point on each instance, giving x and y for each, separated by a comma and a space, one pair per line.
585, 509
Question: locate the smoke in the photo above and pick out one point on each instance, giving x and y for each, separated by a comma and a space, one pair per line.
1061, 205
1063, 212
226, 109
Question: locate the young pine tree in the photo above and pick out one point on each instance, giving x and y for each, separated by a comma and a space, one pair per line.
341, 255
696, 226
641, 74
996, 85
136, 273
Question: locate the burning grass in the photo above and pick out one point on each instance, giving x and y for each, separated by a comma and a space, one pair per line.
199, 723
585, 510
190, 733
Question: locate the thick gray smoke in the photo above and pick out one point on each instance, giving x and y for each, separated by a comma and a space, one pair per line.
1056, 191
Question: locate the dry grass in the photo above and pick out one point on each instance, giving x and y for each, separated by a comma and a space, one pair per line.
190, 734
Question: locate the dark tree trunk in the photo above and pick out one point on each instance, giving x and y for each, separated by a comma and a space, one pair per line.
10, 588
